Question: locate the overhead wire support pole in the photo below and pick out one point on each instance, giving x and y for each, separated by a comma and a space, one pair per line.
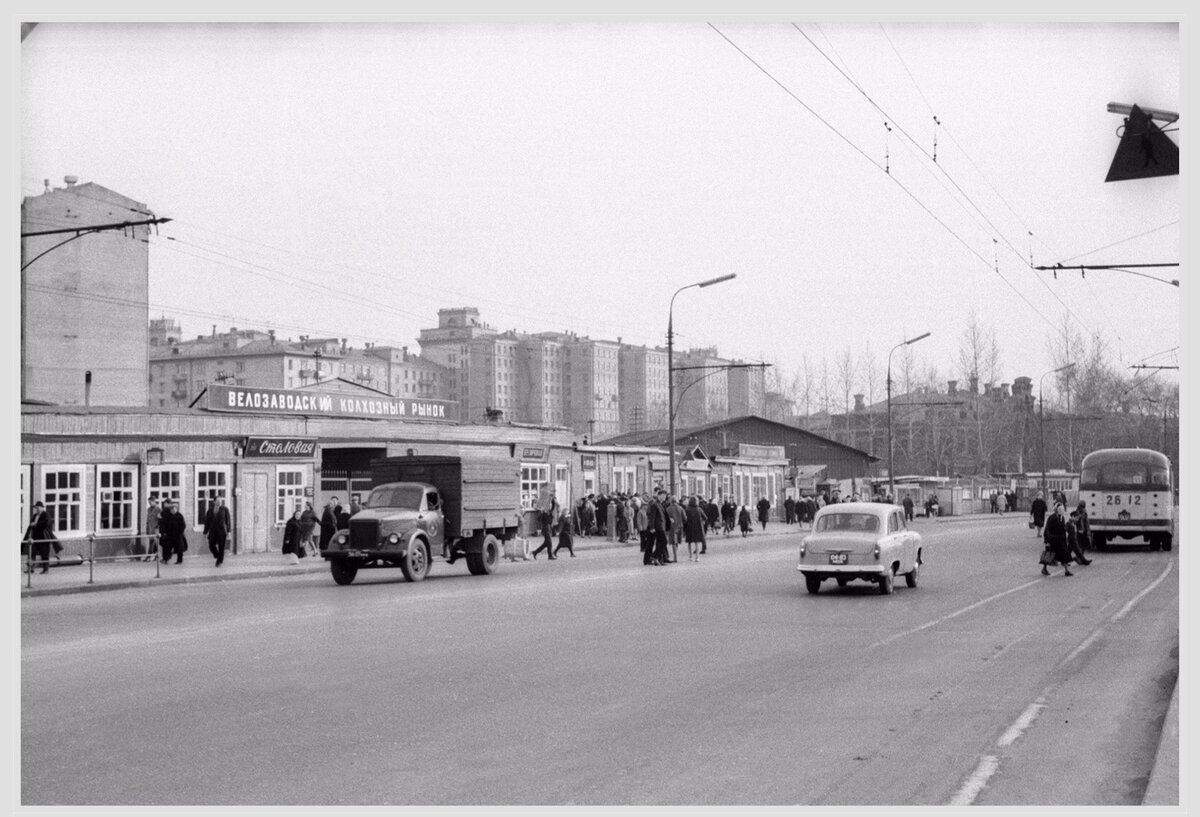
1129, 268
80, 232
1143, 366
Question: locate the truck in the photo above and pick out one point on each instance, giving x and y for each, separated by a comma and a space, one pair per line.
426, 507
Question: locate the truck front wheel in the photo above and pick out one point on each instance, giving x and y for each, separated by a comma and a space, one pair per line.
343, 570
486, 559
415, 564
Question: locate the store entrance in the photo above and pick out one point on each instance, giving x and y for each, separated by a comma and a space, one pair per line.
346, 474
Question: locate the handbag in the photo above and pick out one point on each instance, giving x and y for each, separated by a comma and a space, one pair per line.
1047, 557
1032, 524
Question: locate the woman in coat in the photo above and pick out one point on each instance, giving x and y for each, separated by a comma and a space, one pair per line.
744, 520
1056, 538
693, 529
291, 539
1037, 512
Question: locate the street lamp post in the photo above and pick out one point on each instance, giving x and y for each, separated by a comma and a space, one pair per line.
671, 367
1042, 419
891, 477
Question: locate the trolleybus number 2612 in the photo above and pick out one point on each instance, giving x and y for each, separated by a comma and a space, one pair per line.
1129, 494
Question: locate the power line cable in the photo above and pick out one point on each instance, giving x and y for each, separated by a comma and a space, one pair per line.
871, 161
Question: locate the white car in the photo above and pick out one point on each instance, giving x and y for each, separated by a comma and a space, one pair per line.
860, 540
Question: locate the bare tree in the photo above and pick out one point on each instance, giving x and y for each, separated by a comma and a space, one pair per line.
847, 377
872, 380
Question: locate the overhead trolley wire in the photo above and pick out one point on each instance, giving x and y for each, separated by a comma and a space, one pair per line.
996, 231
871, 161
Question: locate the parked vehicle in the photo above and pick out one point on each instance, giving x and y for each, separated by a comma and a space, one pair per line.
423, 508
860, 540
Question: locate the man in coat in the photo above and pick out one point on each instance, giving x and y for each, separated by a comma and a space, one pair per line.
171, 527
908, 508
656, 527
328, 522
150, 531
764, 508
216, 528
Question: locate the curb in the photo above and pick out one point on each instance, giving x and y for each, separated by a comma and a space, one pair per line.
160, 582
1163, 788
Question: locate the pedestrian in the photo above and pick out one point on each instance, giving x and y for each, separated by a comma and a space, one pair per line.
1084, 525
789, 510
292, 538
1075, 539
641, 524
216, 528
602, 515
308, 523
764, 508
629, 509
328, 522
908, 509
744, 521
693, 530
934, 510
548, 512
587, 516
39, 536
172, 529
995, 501
565, 538
677, 517
1037, 514
712, 515
1057, 545
150, 530
355, 505
1002, 503
728, 515
656, 523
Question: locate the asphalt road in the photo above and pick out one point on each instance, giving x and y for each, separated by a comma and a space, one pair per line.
599, 681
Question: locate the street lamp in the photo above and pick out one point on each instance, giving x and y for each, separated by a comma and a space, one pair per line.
891, 477
671, 366
1042, 418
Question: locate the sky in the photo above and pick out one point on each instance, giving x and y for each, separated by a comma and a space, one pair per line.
866, 181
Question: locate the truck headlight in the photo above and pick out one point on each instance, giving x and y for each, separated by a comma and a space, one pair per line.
342, 539
394, 539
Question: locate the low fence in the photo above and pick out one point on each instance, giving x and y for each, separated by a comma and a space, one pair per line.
78, 552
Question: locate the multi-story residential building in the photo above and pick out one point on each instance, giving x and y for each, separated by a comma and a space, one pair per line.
701, 387
408, 375
179, 372
492, 388
449, 346
746, 390
593, 394
642, 379
83, 299
540, 379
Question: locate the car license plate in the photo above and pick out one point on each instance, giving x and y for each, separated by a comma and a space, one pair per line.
837, 558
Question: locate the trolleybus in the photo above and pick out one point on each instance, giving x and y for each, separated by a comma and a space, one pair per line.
1128, 494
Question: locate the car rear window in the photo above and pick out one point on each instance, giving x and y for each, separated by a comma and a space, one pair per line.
859, 522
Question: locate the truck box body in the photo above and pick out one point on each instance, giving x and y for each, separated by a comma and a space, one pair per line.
476, 494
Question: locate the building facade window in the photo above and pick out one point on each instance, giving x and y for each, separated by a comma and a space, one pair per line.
534, 477
211, 484
289, 492
62, 491
165, 483
116, 498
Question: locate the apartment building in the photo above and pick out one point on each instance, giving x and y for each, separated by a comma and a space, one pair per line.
701, 387
449, 345
642, 374
83, 299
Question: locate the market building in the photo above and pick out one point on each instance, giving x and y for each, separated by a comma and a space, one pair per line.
266, 452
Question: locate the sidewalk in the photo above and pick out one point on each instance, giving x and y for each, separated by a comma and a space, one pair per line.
198, 567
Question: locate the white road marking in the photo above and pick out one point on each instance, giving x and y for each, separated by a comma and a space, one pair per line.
1022, 723
955, 614
975, 783
1124, 611
989, 764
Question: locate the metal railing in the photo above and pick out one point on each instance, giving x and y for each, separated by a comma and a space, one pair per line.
33, 565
